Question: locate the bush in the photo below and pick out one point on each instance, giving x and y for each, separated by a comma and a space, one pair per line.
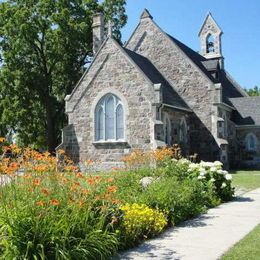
55, 217
140, 222
181, 199
212, 174
53, 211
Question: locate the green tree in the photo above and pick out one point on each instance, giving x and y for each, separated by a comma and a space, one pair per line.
255, 91
44, 47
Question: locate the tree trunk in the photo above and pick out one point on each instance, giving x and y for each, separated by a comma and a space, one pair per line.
50, 127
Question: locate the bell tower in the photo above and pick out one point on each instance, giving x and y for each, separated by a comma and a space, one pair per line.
210, 40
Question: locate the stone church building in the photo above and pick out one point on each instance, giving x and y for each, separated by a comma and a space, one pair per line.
156, 91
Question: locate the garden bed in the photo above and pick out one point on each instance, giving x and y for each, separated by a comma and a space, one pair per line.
64, 214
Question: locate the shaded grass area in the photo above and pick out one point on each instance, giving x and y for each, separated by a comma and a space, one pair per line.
246, 249
248, 180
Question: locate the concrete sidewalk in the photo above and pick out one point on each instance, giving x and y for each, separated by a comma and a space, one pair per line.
206, 237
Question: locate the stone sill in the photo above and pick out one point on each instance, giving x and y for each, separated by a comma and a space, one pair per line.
111, 144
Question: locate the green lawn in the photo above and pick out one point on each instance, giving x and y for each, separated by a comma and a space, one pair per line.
246, 249
248, 180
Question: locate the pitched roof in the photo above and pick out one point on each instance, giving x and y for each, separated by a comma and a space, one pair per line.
169, 95
193, 55
230, 90
211, 65
248, 110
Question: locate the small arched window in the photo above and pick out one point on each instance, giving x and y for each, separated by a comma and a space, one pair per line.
210, 43
109, 119
225, 126
251, 142
167, 130
183, 130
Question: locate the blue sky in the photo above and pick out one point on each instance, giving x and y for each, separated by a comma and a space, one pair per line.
239, 19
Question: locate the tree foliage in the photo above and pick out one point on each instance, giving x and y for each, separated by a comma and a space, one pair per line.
44, 46
255, 91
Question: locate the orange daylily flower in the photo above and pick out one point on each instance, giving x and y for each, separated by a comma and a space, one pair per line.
91, 181
116, 202
85, 191
40, 203
112, 188
36, 182
55, 202
110, 179
27, 176
45, 191
79, 175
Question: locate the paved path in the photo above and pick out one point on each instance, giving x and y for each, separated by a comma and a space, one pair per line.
206, 237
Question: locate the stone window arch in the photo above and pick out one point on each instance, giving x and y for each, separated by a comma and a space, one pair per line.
109, 119
210, 43
251, 142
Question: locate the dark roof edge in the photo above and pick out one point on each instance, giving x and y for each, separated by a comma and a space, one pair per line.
178, 108
247, 126
169, 38
236, 84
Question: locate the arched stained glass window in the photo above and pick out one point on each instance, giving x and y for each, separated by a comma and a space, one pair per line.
120, 122
167, 130
251, 142
183, 130
109, 119
100, 124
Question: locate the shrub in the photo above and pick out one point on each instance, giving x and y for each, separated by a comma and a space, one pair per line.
181, 199
140, 222
55, 217
53, 211
211, 172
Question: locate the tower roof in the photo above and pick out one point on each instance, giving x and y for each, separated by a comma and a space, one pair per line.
146, 14
209, 20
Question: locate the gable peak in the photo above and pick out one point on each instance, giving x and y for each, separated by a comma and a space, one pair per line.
210, 22
146, 14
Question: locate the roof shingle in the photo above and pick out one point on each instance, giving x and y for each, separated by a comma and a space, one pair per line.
248, 110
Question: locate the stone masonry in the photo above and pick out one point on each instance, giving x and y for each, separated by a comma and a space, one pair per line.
169, 93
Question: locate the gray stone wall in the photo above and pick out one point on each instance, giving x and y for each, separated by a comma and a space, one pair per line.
191, 84
111, 72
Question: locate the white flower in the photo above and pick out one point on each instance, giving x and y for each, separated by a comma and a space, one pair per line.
203, 173
225, 172
193, 166
184, 161
220, 172
206, 164
228, 177
202, 169
224, 185
201, 177
212, 179
218, 163
213, 169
